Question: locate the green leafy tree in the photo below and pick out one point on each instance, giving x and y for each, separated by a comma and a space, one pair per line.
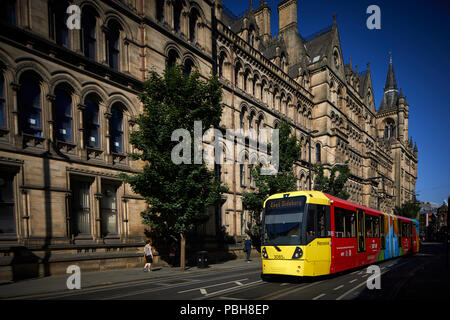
177, 195
266, 185
409, 209
334, 184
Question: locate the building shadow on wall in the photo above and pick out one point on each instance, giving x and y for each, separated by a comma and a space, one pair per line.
25, 264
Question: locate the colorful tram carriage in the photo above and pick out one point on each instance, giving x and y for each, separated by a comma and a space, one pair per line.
310, 233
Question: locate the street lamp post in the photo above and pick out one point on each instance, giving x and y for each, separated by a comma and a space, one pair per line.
309, 142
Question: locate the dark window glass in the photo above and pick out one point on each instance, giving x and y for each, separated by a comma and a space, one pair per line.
2, 102
63, 115
30, 107
58, 18
370, 226
345, 223
116, 130
318, 223
177, 15
192, 24
318, 157
188, 67
172, 58
88, 25
112, 39
8, 12
376, 227
221, 62
91, 124
160, 10
283, 221
7, 216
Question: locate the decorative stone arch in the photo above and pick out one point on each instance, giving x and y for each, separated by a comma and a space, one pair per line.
120, 98
65, 77
26, 64
224, 63
92, 87
199, 30
112, 15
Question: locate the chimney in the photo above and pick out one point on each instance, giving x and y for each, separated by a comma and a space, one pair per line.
287, 14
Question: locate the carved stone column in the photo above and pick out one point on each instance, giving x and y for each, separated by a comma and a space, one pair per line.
51, 123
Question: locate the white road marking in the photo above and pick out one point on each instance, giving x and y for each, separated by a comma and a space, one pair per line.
232, 288
213, 285
238, 283
284, 284
203, 291
319, 296
351, 281
358, 286
337, 288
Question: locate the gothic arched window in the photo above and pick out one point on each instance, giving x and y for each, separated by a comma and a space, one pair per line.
63, 115
160, 10
57, 24
2, 102
318, 153
188, 65
91, 123
8, 12
29, 100
89, 32
172, 58
177, 8
193, 18
222, 58
113, 45
116, 129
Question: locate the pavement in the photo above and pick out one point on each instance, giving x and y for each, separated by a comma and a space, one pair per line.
58, 283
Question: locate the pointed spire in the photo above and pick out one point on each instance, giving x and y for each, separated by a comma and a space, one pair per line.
350, 63
251, 6
391, 83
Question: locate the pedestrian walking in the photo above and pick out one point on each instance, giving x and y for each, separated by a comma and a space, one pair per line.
148, 254
248, 247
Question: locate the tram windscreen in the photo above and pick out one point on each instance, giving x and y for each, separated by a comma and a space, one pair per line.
283, 220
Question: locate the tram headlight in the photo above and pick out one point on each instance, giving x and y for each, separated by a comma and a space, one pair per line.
297, 253
264, 253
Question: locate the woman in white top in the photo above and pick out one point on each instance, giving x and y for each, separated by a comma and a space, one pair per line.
148, 256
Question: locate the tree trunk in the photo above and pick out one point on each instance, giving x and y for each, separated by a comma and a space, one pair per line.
182, 252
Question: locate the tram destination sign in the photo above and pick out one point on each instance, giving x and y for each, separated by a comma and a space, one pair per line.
286, 203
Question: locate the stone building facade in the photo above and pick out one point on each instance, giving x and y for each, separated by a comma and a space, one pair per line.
68, 99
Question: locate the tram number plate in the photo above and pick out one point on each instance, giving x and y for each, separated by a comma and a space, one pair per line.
278, 256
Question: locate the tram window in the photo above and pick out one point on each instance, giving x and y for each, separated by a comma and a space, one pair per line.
323, 222
345, 223
318, 223
310, 228
376, 227
382, 227
369, 226
404, 230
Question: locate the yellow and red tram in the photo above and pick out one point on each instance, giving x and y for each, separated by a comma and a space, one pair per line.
311, 233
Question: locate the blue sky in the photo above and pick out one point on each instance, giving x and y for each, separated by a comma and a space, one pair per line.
417, 33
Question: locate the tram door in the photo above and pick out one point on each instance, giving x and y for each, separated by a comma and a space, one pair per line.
361, 231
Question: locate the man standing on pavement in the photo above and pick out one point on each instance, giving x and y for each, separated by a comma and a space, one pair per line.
248, 247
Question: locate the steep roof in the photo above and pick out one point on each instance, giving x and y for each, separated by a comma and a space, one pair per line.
391, 95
